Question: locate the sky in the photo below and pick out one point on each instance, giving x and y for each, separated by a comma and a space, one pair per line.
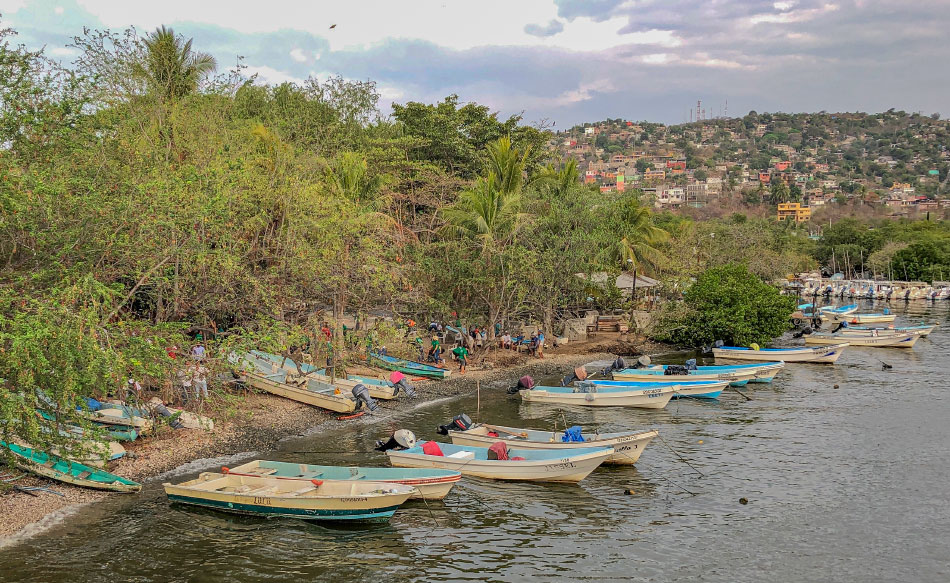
559, 61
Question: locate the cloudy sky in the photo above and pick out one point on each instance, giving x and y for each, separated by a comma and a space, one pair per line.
562, 60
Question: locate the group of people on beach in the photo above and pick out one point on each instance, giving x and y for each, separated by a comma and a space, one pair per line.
192, 378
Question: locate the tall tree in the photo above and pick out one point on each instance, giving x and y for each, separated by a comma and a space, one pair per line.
171, 69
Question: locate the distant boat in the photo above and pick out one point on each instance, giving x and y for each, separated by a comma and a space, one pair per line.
694, 389
377, 390
922, 329
864, 318
309, 500
590, 395
737, 375
430, 484
627, 445
840, 310
540, 465
68, 472
409, 367
826, 354
906, 340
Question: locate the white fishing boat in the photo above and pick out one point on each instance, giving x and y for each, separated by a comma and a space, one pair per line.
591, 395
430, 484
313, 500
906, 340
921, 329
737, 374
882, 318
627, 445
537, 465
696, 389
825, 354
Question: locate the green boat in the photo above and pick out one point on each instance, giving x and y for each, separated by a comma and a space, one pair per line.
56, 468
410, 367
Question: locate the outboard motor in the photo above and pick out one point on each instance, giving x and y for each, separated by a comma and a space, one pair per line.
361, 394
691, 364
524, 383
618, 364
676, 369
400, 439
805, 331
460, 422
643, 362
162, 410
400, 383
578, 374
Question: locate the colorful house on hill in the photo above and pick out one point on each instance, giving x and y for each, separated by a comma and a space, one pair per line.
793, 211
765, 177
782, 166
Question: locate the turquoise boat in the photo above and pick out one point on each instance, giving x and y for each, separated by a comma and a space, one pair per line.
68, 472
737, 375
409, 367
697, 389
431, 484
115, 432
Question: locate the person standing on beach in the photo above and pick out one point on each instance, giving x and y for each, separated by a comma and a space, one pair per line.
461, 353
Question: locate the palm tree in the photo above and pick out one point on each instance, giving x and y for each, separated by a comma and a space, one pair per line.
350, 178
486, 214
560, 180
170, 69
506, 166
636, 248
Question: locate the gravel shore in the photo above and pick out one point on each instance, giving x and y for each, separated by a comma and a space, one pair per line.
258, 422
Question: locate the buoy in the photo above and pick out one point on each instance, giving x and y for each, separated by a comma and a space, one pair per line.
836, 386
700, 441
629, 492
743, 501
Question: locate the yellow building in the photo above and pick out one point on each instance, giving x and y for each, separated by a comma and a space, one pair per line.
794, 211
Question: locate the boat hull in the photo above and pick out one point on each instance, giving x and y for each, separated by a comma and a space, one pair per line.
69, 472
410, 367
696, 389
821, 355
627, 448
569, 469
276, 498
381, 390
433, 485
656, 398
883, 341
338, 403
865, 318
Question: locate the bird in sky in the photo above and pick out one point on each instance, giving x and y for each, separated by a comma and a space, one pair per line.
332, 26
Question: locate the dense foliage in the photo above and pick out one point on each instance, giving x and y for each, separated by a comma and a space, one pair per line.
731, 304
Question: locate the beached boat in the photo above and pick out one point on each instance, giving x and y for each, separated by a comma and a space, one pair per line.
922, 329
591, 395
156, 409
430, 484
541, 465
310, 500
882, 318
906, 340
377, 390
694, 389
310, 392
95, 453
116, 416
409, 367
840, 310
69, 472
627, 445
737, 375
116, 432
825, 354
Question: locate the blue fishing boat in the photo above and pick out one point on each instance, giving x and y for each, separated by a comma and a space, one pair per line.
696, 389
409, 367
737, 375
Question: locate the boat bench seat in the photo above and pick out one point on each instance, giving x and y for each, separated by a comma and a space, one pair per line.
462, 455
262, 471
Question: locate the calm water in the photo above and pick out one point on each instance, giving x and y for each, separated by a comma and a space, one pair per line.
847, 484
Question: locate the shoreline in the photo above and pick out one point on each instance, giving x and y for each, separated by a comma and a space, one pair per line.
260, 422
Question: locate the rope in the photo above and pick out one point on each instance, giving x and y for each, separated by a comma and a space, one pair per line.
684, 460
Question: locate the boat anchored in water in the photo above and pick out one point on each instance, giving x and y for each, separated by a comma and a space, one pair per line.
591, 395
430, 484
330, 500
826, 354
906, 340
